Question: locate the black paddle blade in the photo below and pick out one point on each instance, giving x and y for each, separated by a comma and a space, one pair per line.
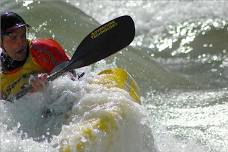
104, 41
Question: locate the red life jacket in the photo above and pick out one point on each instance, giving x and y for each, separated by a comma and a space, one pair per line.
48, 53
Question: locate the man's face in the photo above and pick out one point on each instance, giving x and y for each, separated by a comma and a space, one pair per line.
15, 45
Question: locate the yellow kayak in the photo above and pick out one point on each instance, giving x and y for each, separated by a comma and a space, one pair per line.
101, 125
118, 77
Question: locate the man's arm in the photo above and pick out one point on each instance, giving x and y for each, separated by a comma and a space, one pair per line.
48, 53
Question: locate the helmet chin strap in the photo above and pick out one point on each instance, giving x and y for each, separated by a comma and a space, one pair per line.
3, 50
9, 64
1, 45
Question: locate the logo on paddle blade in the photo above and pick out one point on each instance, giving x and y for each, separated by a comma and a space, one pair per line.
103, 29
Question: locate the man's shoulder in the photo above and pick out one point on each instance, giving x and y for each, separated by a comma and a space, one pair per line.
48, 42
44, 40
47, 53
47, 45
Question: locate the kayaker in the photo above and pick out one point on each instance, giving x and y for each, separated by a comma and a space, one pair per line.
25, 61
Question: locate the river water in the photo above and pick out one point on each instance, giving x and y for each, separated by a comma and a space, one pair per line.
178, 58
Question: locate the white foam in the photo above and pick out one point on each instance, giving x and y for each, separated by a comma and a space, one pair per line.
88, 101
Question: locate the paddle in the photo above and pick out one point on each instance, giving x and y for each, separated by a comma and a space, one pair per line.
99, 44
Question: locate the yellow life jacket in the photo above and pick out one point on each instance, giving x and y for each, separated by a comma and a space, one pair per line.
44, 55
14, 81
